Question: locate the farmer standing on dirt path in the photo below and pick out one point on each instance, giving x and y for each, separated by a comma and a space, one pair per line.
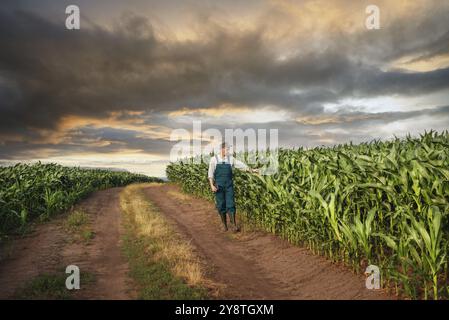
221, 183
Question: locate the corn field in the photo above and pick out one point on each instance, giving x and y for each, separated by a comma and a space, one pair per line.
381, 203
35, 191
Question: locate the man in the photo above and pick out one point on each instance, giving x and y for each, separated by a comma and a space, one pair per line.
221, 183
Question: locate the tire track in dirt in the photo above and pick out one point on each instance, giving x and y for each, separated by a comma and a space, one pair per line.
25, 258
104, 257
256, 265
48, 249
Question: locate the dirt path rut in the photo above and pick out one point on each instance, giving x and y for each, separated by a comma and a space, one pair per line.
48, 249
256, 265
245, 266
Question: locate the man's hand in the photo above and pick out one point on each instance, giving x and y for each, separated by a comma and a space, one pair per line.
212, 185
256, 171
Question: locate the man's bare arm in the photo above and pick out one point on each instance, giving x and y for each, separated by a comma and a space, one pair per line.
212, 185
242, 166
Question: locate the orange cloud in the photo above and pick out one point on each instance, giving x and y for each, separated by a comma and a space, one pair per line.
217, 112
68, 124
421, 64
336, 118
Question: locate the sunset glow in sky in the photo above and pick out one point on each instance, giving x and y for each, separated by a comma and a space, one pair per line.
111, 93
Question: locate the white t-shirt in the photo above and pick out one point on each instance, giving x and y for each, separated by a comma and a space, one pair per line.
227, 159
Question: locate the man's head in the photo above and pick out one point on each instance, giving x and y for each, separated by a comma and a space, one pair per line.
224, 149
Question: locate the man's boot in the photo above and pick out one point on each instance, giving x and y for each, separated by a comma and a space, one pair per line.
234, 227
224, 226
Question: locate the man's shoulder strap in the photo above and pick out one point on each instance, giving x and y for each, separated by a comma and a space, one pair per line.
231, 160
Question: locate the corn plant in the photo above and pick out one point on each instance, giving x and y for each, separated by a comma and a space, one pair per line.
381, 202
40, 190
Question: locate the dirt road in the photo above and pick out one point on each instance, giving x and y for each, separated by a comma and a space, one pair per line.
48, 249
245, 266
256, 265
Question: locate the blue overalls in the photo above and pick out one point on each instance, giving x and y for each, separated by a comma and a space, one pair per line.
224, 197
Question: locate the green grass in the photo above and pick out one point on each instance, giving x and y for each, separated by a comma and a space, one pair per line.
154, 278
77, 224
76, 220
51, 286
87, 235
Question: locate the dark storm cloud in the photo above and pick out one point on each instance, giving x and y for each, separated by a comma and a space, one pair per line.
354, 126
422, 34
110, 140
88, 140
48, 72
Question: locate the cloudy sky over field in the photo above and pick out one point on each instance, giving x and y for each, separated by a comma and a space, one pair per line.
111, 93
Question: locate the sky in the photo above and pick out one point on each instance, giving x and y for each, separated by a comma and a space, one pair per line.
111, 93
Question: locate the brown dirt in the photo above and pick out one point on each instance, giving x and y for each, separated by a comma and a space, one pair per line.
250, 265
49, 248
256, 265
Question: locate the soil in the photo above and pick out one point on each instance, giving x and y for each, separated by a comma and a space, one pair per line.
256, 265
49, 249
246, 265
